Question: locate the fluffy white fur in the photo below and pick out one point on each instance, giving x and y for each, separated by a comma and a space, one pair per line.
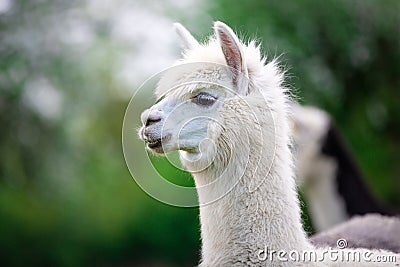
243, 167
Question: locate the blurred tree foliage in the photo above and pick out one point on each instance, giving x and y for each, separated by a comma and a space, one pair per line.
66, 197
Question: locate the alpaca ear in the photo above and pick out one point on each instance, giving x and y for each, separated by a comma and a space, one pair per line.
188, 41
232, 49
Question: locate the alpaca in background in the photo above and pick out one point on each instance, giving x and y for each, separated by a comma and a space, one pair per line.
327, 173
227, 113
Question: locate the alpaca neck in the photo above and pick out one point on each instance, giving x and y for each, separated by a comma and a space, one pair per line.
261, 210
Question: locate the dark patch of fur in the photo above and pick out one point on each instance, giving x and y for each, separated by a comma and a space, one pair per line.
351, 186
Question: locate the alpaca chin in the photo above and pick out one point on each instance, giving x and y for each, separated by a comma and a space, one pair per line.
201, 159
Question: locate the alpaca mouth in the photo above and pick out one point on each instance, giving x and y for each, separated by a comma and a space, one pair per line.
154, 143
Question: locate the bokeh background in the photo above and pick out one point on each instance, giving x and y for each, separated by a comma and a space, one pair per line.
69, 68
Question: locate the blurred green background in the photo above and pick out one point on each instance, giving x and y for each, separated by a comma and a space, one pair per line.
68, 69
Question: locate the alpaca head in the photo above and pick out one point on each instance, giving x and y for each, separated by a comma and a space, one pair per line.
193, 91
192, 94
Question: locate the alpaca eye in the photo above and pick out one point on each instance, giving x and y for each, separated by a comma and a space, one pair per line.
204, 99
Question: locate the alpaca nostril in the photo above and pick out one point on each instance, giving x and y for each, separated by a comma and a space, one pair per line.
151, 121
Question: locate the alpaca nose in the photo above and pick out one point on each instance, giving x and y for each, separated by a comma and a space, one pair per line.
151, 120
150, 117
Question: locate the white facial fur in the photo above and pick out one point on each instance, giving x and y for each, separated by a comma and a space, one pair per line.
180, 121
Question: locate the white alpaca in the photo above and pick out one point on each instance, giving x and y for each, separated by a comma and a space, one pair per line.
231, 129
